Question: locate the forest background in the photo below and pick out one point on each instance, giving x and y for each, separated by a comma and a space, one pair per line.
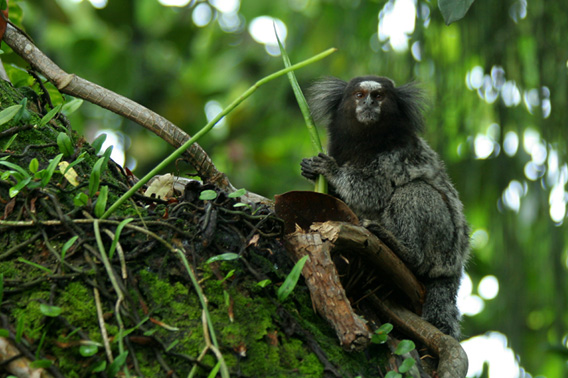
498, 89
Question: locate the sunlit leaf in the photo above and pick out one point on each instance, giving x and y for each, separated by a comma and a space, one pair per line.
406, 365
71, 106
34, 165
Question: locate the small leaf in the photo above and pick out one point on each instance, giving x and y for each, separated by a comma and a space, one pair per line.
264, 283
34, 165
50, 169
94, 180
237, 193
7, 114
70, 174
99, 366
4, 332
381, 335
9, 142
404, 346
15, 167
117, 364
454, 10
223, 257
44, 364
13, 191
406, 365
49, 116
240, 204
71, 106
65, 144
88, 350
81, 199
23, 114
98, 143
117, 236
208, 195
101, 203
51, 311
393, 374
292, 279
68, 245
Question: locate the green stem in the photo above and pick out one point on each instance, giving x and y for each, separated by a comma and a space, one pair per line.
177, 153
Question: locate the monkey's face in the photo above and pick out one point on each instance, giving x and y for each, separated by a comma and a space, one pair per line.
368, 97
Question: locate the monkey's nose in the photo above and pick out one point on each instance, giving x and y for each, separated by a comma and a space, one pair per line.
369, 100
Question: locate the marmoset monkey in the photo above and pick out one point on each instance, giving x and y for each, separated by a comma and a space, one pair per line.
388, 175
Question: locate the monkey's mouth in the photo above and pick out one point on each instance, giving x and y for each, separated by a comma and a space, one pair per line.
367, 115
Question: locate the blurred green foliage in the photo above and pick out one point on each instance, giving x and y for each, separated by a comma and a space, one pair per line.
492, 76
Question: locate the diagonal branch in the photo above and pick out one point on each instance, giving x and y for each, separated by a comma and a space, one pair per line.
76, 86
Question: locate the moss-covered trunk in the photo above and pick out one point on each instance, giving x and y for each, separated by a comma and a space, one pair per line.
74, 304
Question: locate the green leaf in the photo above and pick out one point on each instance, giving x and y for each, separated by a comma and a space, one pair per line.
404, 346
88, 350
264, 283
95, 179
292, 279
34, 165
9, 142
44, 364
4, 332
237, 193
101, 203
454, 10
65, 144
406, 365
81, 199
117, 236
15, 167
223, 257
71, 106
50, 169
7, 114
49, 116
208, 195
68, 245
3, 5
51, 311
393, 374
21, 259
13, 191
99, 366
117, 364
381, 335
98, 143
20, 323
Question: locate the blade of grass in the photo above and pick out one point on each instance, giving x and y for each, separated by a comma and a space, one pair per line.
321, 182
177, 153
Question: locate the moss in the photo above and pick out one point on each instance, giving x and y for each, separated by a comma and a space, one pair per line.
30, 314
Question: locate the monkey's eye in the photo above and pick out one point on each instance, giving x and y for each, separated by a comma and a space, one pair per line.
380, 96
359, 94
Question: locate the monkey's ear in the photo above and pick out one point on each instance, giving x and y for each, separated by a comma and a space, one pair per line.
324, 96
412, 103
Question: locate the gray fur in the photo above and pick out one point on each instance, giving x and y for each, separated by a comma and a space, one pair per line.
393, 180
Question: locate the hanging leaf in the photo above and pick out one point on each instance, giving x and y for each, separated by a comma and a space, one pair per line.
454, 10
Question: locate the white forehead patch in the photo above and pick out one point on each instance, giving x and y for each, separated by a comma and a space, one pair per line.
370, 86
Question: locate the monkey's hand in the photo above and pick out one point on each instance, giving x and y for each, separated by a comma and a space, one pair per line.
321, 164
